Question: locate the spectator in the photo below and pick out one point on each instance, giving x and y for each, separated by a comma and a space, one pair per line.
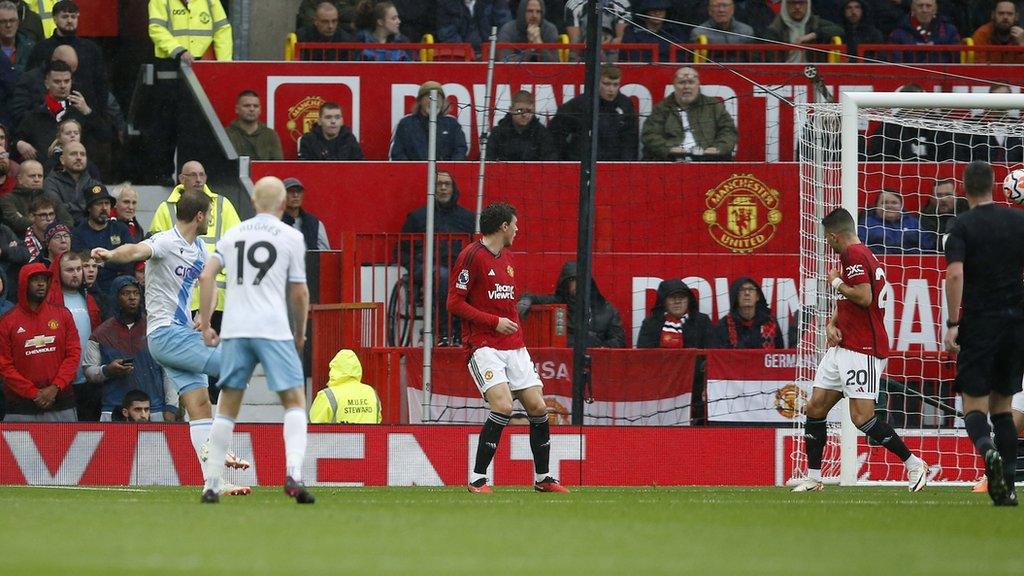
71, 183
116, 357
613, 21
136, 408
605, 330
305, 18
312, 228
857, 26
325, 29
419, 17
56, 242
15, 206
519, 136
652, 29
795, 24
529, 27
923, 26
39, 353
66, 290
1003, 30
42, 212
247, 135
68, 130
759, 14
688, 124
90, 271
997, 148
449, 218
100, 231
15, 47
410, 140
749, 323
30, 90
383, 28
345, 399
13, 256
940, 211
125, 210
330, 139
30, 23
617, 133
723, 28
8, 168
676, 320
887, 229
470, 22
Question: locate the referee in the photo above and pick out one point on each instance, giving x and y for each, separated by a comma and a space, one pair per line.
984, 271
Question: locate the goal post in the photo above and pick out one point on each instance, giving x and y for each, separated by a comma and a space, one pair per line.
918, 372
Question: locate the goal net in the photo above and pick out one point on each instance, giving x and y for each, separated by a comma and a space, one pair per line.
895, 161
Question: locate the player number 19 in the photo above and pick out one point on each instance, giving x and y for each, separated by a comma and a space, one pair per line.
262, 265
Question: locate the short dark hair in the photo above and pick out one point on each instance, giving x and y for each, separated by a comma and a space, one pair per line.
611, 71
978, 179
943, 182
57, 66
70, 256
245, 93
64, 6
523, 96
329, 106
190, 204
40, 201
134, 395
839, 221
494, 215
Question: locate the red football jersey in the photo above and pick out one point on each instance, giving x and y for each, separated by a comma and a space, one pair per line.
863, 329
482, 290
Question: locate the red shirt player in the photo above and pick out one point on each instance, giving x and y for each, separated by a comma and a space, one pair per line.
853, 364
483, 295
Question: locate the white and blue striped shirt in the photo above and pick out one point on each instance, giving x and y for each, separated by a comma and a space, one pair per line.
171, 275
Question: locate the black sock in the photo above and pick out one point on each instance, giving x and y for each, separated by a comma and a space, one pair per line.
1006, 442
540, 443
490, 435
815, 437
881, 432
980, 432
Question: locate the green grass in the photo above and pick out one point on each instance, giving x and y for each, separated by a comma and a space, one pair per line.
707, 531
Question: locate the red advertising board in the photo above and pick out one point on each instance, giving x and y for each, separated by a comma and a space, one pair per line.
376, 95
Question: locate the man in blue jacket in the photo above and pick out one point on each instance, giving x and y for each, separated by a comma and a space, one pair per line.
410, 141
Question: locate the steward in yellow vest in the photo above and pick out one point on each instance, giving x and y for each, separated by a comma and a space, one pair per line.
345, 400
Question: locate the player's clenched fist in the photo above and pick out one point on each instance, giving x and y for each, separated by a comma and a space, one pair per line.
506, 326
101, 254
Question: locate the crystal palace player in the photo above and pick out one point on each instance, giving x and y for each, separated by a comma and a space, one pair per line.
985, 261
483, 295
853, 364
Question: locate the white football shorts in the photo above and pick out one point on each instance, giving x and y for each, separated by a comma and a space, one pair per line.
490, 367
855, 374
1018, 402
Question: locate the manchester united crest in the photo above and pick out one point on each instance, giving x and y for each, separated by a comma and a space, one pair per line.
742, 213
52, 324
789, 400
303, 115
511, 271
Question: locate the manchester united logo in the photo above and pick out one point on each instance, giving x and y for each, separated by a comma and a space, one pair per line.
488, 375
789, 400
303, 115
511, 271
742, 213
52, 324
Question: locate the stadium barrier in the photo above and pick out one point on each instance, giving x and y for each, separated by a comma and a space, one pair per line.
834, 52
968, 53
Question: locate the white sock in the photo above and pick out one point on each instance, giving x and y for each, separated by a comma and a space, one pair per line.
814, 474
473, 477
913, 462
220, 439
294, 442
199, 431
539, 477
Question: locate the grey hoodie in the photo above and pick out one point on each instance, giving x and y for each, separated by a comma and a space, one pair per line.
515, 31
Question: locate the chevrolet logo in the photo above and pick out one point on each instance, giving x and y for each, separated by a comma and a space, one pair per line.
39, 341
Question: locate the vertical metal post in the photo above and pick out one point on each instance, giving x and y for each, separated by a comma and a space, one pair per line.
428, 258
585, 221
485, 129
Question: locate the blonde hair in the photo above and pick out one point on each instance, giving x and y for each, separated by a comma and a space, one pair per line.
268, 194
56, 141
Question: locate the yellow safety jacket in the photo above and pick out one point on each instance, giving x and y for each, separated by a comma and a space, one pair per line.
223, 217
45, 10
176, 27
345, 400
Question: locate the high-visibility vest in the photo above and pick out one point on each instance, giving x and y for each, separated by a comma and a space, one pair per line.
223, 217
45, 10
352, 403
175, 28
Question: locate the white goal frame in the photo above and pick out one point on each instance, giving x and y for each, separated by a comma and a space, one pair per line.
850, 105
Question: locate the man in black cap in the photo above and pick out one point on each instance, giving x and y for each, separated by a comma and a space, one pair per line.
312, 228
100, 230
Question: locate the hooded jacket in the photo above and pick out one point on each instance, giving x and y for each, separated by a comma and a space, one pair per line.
114, 340
346, 400
785, 29
449, 218
410, 140
37, 348
762, 331
509, 143
606, 324
315, 146
696, 326
515, 31
861, 33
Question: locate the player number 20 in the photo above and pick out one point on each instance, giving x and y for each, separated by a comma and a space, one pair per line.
262, 265
856, 377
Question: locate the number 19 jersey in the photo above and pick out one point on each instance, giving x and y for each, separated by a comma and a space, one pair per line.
261, 256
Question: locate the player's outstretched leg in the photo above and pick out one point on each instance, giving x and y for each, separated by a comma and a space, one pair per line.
815, 437
295, 439
220, 437
881, 432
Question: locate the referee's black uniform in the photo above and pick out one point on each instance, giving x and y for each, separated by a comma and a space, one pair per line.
989, 241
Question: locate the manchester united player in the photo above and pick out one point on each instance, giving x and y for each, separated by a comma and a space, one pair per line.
483, 295
858, 346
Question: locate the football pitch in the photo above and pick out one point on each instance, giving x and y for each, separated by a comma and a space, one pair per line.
708, 531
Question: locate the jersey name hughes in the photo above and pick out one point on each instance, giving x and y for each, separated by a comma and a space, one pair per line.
502, 292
